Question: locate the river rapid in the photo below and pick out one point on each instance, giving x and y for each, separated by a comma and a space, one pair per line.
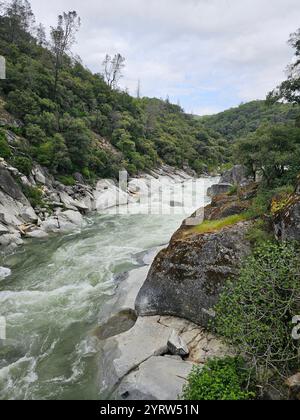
53, 298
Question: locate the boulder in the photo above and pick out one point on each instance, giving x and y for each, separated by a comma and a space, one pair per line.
28, 215
293, 384
124, 353
177, 346
187, 278
109, 197
218, 189
72, 204
63, 222
10, 187
39, 175
157, 379
235, 176
37, 234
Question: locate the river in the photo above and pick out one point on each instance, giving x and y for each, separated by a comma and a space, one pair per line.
52, 301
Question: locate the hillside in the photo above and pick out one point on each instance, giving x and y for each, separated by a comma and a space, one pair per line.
239, 122
68, 117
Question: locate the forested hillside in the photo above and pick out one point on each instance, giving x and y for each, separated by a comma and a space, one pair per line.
247, 118
74, 120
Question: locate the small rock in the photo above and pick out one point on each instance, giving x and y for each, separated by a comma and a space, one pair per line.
177, 346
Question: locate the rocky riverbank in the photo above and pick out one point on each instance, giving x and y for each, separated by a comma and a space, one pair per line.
60, 208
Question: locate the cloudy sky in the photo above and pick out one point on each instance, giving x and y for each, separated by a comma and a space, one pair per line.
207, 54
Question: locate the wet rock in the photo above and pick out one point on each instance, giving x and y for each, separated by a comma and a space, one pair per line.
177, 346
37, 234
4, 272
187, 278
9, 242
159, 378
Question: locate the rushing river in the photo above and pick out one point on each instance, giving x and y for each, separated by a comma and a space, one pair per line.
53, 297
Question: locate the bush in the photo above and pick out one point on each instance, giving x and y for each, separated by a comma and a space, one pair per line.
5, 151
34, 195
23, 164
67, 180
255, 313
220, 379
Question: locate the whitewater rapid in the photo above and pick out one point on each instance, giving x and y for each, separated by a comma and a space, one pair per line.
53, 298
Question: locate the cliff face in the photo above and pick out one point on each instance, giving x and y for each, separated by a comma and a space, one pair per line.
187, 278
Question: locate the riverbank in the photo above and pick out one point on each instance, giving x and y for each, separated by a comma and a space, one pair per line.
62, 289
37, 206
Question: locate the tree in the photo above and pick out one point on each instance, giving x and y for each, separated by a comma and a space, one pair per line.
113, 67
289, 90
62, 39
41, 35
273, 151
20, 19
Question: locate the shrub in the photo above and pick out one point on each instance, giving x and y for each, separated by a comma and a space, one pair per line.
220, 379
5, 151
67, 180
34, 195
23, 164
255, 313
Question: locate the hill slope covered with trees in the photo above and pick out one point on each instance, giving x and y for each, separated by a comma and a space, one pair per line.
67, 114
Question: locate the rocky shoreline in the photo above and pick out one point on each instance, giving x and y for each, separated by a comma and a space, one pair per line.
63, 207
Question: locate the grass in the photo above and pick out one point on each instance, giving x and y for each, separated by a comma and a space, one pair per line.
211, 226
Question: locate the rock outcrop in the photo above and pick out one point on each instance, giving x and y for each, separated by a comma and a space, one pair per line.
287, 217
187, 278
235, 177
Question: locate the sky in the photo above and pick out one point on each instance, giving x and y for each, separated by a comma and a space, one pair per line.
207, 55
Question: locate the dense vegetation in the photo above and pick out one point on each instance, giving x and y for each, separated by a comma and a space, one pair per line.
255, 313
247, 118
220, 379
66, 111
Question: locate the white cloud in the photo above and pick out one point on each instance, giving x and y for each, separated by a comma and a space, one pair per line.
198, 51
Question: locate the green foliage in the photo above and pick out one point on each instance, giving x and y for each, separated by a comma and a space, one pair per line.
209, 226
255, 313
274, 151
23, 164
220, 379
64, 106
67, 180
247, 118
5, 151
34, 195
260, 232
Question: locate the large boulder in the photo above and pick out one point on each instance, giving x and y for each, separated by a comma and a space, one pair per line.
187, 278
10, 187
218, 189
235, 176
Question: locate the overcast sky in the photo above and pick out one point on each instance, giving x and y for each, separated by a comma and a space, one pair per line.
207, 54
